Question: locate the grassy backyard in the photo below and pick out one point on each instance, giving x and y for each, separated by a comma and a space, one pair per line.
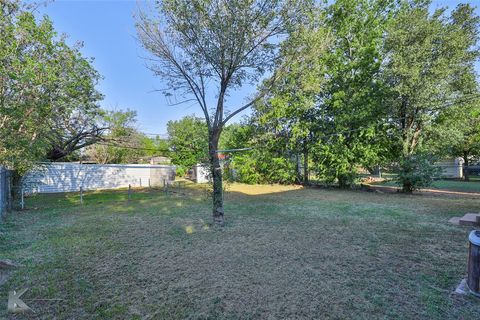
285, 252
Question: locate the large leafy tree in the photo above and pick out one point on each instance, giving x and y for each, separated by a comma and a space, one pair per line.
429, 66
350, 103
286, 120
205, 47
76, 121
46, 89
329, 104
29, 70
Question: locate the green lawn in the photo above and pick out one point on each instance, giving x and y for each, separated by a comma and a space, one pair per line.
448, 185
285, 253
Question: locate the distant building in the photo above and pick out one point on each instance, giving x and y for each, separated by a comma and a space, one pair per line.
160, 160
451, 168
200, 173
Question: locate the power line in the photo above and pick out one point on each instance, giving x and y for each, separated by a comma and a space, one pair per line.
163, 135
450, 101
130, 147
455, 101
234, 150
165, 150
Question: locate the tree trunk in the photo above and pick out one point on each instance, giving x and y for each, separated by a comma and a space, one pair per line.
343, 181
305, 166
55, 154
298, 170
407, 187
216, 171
15, 185
466, 175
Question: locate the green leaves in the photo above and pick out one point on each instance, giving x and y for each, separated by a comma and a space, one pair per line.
430, 63
430, 69
417, 171
43, 82
188, 140
123, 143
365, 82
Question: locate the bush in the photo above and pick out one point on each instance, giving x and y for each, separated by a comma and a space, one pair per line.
278, 170
346, 179
181, 171
416, 171
263, 167
245, 168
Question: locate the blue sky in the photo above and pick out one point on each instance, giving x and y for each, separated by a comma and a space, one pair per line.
107, 31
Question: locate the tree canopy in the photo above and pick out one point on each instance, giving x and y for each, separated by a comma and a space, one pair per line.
188, 141
48, 99
341, 86
370, 83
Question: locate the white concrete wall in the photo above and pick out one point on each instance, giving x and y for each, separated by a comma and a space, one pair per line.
452, 168
68, 177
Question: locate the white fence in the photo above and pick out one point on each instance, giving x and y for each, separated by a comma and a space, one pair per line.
68, 177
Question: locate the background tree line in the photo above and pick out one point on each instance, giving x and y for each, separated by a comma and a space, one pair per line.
369, 83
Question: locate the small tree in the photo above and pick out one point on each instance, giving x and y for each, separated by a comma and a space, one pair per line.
121, 143
416, 171
188, 140
224, 43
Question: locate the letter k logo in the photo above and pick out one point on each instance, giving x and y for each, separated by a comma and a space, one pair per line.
15, 304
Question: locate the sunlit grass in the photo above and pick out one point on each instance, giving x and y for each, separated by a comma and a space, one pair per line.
260, 189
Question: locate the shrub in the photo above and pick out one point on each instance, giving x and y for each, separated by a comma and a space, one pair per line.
181, 171
416, 171
263, 167
245, 168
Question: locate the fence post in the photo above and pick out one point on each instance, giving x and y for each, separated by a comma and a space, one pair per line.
140, 182
3, 184
149, 185
129, 192
22, 200
165, 186
81, 195
9, 191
